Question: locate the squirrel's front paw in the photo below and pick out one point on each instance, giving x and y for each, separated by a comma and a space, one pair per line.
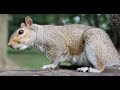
50, 66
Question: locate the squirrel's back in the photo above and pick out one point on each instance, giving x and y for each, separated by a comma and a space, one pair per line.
68, 37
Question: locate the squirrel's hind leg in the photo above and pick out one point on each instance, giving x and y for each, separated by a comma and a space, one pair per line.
88, 69
94, 56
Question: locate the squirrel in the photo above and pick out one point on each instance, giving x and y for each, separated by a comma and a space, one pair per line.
82, 45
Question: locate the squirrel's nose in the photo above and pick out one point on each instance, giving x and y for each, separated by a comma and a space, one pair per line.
10, 45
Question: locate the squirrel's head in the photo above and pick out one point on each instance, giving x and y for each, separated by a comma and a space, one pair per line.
23, 37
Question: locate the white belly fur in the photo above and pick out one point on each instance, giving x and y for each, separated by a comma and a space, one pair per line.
78, 60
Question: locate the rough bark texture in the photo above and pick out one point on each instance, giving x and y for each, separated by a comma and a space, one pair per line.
115, 22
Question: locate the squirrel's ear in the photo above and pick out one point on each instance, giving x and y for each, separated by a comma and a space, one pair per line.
22, 25
28, 21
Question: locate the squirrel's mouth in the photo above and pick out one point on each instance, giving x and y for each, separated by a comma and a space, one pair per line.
18, 47
23, 47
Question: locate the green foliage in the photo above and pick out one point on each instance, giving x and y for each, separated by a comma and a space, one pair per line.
28, 58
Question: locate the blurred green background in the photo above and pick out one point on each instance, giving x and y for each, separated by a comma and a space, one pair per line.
35, 60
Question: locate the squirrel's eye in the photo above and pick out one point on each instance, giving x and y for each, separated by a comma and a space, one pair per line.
20, 32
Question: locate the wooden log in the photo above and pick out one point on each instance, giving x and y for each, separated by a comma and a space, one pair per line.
109, 71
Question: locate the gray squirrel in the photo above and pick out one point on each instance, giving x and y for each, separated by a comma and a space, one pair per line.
82, 45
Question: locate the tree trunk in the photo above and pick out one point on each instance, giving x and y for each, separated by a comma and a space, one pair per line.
3, 39
115, 22
5, 63
96, 20
87, 16
58, 19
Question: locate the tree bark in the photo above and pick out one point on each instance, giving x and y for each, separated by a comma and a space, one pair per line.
5, 63
3, 39
115, 22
